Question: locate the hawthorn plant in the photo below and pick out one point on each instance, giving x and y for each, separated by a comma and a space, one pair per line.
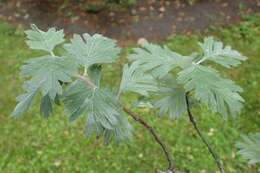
167, 78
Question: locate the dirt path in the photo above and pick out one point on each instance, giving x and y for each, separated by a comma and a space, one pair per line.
151, 19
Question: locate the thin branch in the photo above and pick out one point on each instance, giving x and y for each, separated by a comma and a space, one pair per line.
138, 119
204, 140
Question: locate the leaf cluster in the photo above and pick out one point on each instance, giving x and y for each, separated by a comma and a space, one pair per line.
177, 75
56, 78
161, 75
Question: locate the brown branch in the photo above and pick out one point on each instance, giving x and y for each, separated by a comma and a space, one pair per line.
138, 119
204, 140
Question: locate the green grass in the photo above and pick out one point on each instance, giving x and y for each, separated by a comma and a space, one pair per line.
32, 144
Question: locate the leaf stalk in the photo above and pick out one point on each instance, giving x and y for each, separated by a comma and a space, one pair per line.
87, 81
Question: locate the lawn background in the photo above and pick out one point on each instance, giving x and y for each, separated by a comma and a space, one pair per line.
32, 144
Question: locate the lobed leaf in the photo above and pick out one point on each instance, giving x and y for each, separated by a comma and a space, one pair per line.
220, 95
89, 50
216, 52
25, 100
159, 61
49, 71
104, 114
249, 148
136, 80
40, 40
171, 98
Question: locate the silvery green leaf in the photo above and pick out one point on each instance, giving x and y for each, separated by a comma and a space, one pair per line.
134, 79
249, 148
142, 102
89, 50
40, 40
49, 71
75, 97
94, 73
25, 100
171, 98
216, 52
159, 61
121, 133
46, 106
104, 114
220, 95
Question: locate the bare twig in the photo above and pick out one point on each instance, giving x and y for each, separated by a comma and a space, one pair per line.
204, 140
138, 119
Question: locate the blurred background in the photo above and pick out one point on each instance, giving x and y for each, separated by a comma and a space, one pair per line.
33, 144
